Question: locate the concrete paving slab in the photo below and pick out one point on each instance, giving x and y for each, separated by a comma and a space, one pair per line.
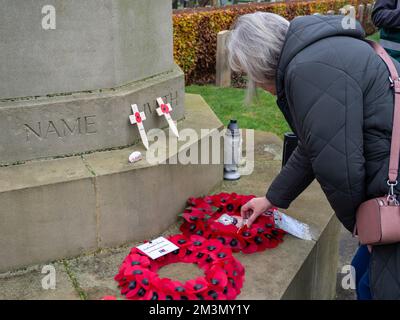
27, 285
95, 272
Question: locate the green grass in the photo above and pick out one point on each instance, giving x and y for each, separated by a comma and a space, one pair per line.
374, 37
228, 103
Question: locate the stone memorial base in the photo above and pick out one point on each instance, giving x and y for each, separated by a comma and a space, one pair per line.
53, 209
84, 122
296, 269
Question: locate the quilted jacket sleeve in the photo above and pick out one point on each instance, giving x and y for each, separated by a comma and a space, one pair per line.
327, 107
294, 177
386, 14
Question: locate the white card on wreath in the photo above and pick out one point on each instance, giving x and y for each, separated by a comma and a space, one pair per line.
157, 248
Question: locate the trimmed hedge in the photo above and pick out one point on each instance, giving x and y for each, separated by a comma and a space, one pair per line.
195, 31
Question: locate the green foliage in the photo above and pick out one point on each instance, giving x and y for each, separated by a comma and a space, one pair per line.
375, 37
195, 31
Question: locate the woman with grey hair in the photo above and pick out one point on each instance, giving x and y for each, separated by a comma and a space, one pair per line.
335, 94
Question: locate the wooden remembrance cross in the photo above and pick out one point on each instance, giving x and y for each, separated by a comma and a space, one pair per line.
164, 109
138, 118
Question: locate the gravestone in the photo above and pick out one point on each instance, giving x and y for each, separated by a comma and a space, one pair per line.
70, 71
223, 70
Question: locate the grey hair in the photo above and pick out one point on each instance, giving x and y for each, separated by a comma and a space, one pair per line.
255, 44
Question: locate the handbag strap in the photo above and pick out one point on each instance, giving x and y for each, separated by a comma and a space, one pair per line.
395, 144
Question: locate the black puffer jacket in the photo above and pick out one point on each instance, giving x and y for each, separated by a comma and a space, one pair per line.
334, 91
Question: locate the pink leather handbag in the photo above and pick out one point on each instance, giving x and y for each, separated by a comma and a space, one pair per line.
378, 219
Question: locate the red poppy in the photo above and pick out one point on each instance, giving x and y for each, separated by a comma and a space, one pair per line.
199, 228
250, 247
165, 108
178, 239
197, 243
194, 215
137, 259
230, 293
132, 289
258, 237
138, 117
166, 286
214, 295
199, 203
138, 279
197, 285
217, 277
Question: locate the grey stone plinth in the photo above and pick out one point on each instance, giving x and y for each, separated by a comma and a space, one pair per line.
95, 44
59, 208
296, 269
82, 122
48, 211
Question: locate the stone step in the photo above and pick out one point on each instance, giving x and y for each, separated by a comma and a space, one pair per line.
296, 269
60, 208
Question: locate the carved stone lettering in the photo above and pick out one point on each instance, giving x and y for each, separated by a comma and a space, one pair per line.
51, 129
61, 128
73, 127
150, 107
90, 124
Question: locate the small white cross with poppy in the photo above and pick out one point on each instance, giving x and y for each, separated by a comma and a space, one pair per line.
137, 118
164, 109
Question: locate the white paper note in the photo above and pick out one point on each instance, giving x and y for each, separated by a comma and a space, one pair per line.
292, 226
157, 248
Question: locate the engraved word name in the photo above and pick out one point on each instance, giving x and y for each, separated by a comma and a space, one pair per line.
61, 128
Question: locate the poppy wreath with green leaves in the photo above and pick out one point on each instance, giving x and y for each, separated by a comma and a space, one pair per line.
223, 274
201, 218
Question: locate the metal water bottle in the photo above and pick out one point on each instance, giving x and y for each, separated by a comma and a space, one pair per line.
232, 151
290, 142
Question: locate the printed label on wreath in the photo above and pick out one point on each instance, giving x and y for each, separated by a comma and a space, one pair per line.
157, 248
227, 220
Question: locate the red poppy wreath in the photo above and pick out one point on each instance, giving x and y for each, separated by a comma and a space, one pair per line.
223, 274
207, 217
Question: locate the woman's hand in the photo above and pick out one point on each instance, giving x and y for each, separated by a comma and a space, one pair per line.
255, 207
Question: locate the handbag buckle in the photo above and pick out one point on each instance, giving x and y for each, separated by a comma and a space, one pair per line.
392, 197
395, 84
